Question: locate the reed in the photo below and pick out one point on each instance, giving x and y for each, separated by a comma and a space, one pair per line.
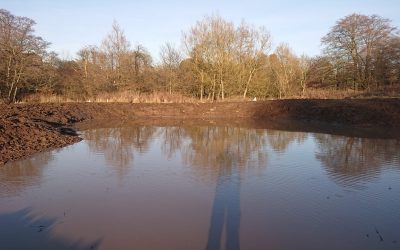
165, 97
123, 97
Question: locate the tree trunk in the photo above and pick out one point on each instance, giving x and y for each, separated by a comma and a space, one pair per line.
247, 84
15, 94
213, 90
8, 71
10, 92
245, 93
202, 87
222, 90
221, 84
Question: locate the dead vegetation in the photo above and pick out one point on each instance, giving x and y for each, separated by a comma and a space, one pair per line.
165, 97
123, 96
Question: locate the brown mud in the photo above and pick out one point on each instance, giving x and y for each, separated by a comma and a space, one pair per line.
26, 129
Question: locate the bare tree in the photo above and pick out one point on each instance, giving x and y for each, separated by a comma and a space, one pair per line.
115, 65
20, 49
322, 72
304, 67
141, 59
284, 67
226, 58
95, 72
221, 60
141, 63
170, 59
356, 38
211, 43
117, 48
387, 62
198, 64
252, 47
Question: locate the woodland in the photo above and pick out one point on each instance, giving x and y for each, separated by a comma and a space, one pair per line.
216, 61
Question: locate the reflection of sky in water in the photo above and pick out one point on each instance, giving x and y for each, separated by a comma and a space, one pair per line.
195, 187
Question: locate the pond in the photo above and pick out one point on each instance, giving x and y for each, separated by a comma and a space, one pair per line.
204, 187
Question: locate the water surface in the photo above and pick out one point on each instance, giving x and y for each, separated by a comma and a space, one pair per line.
208, 187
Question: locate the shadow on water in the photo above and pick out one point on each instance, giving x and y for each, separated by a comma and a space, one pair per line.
18, 176
226, 208
20, 230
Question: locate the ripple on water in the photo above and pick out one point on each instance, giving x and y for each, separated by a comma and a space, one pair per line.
152, 186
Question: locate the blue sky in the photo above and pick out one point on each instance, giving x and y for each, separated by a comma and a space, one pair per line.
69, 25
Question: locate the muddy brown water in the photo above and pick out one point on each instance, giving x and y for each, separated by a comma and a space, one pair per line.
206, 187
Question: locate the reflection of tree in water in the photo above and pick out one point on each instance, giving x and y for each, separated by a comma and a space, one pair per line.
221, 152
280, 140
209, 146
172, 139
17, 176
201, 147
225, 152
351, 161
118, 145
246, 147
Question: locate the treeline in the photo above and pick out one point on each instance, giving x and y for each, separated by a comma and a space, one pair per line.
216, 60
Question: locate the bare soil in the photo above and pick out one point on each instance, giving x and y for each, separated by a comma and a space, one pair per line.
26, 129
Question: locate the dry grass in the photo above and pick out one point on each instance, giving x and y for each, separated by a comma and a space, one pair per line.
164, 97
46, 98
135, 97
313, 93
123, 97
383, 92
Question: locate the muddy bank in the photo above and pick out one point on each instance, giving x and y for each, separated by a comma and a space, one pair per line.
29, 128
